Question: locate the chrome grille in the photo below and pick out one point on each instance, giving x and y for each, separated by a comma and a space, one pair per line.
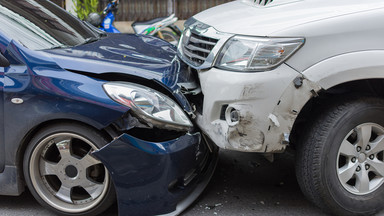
263, 2
196, 48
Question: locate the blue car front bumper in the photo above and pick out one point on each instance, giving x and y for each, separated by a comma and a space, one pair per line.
158, 178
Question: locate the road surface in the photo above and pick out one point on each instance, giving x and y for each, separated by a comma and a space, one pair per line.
244, 184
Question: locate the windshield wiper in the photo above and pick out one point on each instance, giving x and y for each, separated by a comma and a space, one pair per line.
89, 40
101, 33
86, 41
59, 46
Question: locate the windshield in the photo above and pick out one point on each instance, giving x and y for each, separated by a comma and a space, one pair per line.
40, 24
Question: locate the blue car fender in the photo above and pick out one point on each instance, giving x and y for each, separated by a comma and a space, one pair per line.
151, 178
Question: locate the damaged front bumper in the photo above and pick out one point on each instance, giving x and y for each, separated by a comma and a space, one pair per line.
158, 178
252, 112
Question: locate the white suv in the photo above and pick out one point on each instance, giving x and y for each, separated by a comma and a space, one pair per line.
302, 73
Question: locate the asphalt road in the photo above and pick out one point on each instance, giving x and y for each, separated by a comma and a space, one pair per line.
243, 184
247, 184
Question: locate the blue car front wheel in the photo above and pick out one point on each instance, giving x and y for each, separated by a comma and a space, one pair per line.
62, 174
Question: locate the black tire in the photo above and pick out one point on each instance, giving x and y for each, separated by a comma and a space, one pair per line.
321, 162
52, 180
170, 37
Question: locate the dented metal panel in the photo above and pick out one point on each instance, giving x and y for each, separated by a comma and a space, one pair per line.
153, 178
285, 113
261, 125
253, 112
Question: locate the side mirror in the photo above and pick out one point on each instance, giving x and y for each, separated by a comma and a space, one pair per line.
3, 61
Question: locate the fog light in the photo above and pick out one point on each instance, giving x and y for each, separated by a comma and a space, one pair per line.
232, 116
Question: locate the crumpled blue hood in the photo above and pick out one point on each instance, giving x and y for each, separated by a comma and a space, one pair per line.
141, 56
146, 57
138, 55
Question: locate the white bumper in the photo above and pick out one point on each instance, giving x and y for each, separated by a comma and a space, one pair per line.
262, 102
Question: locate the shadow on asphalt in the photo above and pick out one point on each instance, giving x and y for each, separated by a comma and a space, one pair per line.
27, 205
248, 184
244, 184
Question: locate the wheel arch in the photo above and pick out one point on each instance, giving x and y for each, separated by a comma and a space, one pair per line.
360, 73
33, 131
348, 67
315, 105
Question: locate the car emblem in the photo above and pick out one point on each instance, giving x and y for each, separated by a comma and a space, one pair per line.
200, 28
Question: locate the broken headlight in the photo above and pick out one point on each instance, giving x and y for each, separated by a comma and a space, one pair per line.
251, 54
149, 105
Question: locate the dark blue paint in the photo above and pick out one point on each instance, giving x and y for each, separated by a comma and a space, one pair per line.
52, 92
2, 146
49, 93
123, 53
136, 55
140, 170
141, 183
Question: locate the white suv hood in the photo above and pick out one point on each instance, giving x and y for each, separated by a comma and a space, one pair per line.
249, 18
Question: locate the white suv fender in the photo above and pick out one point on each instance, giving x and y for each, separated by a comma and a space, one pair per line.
324, 75
347, 67
285, 113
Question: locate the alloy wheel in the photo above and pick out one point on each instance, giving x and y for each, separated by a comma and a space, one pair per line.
360, 162
66, 175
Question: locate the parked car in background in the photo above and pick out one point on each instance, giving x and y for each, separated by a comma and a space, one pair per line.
88, 117
301, 73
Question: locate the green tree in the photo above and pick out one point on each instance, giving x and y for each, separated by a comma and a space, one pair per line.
84, 7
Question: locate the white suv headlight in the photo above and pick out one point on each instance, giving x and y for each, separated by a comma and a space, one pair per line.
147, 104
251, 54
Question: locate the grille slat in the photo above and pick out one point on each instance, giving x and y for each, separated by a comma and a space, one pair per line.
197, 48
197, 40
191, 55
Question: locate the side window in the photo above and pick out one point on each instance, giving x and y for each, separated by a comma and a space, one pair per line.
23, 31
39, 24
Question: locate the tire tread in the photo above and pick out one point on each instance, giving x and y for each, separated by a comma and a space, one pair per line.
311, 152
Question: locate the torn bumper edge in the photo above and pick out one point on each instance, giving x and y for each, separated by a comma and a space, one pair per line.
267, 105
156, 178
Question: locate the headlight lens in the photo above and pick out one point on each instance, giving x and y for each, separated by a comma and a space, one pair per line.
250, 54
152, 106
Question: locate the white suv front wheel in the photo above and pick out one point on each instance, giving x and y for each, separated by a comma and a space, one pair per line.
340, 159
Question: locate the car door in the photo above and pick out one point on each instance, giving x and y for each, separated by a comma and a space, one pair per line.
4, 65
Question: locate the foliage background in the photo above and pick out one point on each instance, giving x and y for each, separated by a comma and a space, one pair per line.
84, 7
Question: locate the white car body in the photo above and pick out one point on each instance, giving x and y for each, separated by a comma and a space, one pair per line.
344, 42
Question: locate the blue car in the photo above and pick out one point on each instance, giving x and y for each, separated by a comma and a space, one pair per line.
88, 117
